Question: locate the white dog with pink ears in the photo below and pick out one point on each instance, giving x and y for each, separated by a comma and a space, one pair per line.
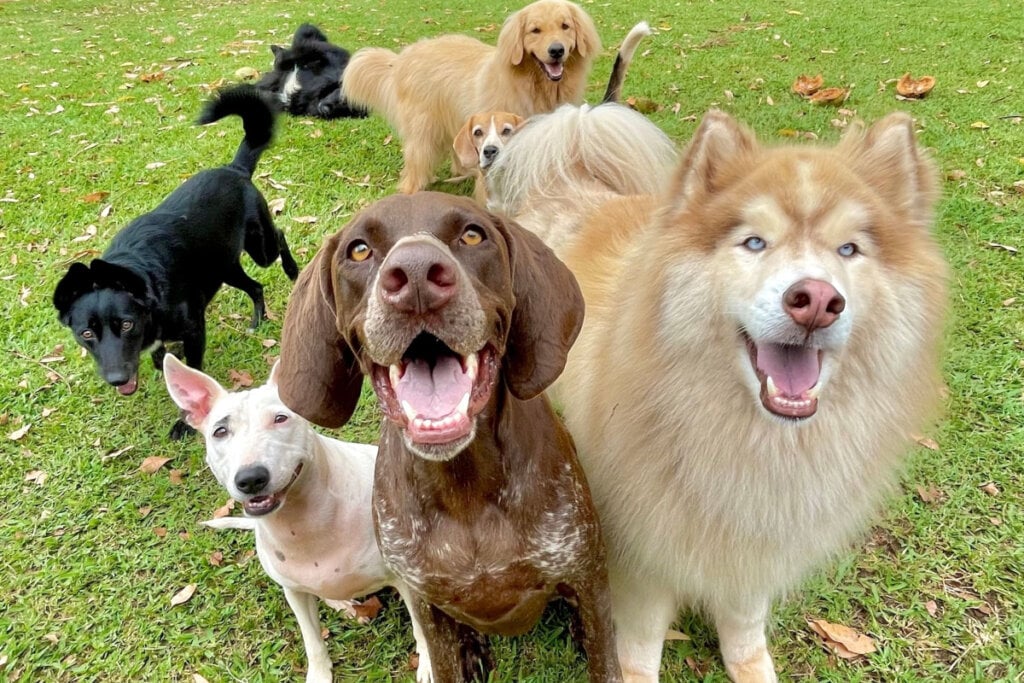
306, 496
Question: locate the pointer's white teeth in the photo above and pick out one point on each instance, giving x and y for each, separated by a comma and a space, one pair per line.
395, 374
773, 390
472, 365
410, 412
463, 407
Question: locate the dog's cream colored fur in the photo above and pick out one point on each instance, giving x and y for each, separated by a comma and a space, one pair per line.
429, 89
708, 500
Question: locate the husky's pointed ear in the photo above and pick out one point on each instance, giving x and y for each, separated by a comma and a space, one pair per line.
716, 144
319, 377
588, 42
510, 48
193, 391
547, 317
889, 159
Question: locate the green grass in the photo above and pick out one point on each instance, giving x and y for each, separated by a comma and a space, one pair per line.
86, 583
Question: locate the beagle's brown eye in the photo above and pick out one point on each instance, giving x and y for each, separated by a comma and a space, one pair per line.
472, 237
478, 131
359, 251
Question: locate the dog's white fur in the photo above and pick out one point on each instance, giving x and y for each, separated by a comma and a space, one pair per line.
560, 166
319, 541
429, 89
707, 499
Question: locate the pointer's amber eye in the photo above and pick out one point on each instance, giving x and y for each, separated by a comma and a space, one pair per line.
472, 237
359, 251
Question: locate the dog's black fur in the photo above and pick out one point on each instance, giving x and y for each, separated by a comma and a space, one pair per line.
318, 67
154, 281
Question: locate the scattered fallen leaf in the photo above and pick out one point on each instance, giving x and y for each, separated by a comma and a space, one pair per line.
414, 661
19, 433
673, 634
980, 125
144, 511
184, 595
225, 509
805, 86
366, 611
1004, 247
149, 78
216, 558
276, 206
176, 477
95, 197
196, 678
52, 637
153, 463
1006, 303
269, 343
239, 378
957, 174
38, 476
981, 84
930, 494
844, 641
305, 219
990, 488
914, 88
930, 444
160, 531
153, 165
830, 96
931, 607
643, 105
247, 73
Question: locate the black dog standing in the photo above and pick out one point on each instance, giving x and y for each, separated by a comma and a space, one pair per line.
153, 283
306, 80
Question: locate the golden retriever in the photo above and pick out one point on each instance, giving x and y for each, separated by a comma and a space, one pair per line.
429, 89
762, 338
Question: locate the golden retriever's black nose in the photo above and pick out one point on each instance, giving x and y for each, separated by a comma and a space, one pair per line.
556, 51
418, 277
252, 479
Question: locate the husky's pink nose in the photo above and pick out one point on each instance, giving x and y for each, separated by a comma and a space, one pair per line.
418, 278
813, 304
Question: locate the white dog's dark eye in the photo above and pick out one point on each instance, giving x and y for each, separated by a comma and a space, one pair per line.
87, 334
472, 237
126, 325
848, 249
279, 418
755, 243
359, 251
220, 432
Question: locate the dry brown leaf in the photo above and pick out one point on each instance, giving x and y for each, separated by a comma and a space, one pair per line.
414, 661
805, 86
309, 220
38, 476
95, 197
844, 641
990, 488
366, 611
176, 477
184, 595
20, 433
276, 206
830, 96
930, 494
225, 509
149, 78
269, 343
247, 73
239, 378
197, 678
914, 88
144, 511
216, 558
930, 444
160, 531
153, 463
931, 607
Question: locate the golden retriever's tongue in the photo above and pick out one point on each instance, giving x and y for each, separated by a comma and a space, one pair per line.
435, 399
793, 369
554, 71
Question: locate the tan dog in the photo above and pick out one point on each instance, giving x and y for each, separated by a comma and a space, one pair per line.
429, 89
761, 341
479, 142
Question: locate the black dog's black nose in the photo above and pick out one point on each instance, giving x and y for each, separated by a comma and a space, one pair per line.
556, 51
490, 151
252, 479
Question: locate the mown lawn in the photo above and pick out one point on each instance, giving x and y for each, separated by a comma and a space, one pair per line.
96, 105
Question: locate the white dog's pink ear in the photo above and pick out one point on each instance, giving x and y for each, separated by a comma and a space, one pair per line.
511, 48
889, 159
717, 143
193, 391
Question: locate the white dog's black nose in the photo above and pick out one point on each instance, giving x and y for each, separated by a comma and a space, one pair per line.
556, 51
252, 479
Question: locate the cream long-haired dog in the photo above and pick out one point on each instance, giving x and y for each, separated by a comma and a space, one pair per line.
429, 89
761, 340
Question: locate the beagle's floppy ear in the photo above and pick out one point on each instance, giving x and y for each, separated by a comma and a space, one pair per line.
511, 49
318, 376
588, 41
465, 150
547, 317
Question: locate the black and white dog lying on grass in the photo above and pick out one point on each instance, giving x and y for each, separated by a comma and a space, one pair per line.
306, 80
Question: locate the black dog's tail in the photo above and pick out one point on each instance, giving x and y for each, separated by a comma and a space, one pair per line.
257, 118
623, 59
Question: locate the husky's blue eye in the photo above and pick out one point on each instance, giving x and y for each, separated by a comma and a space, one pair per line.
848, 249
755, 243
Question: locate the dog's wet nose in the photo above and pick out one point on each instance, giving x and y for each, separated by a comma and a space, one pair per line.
252, 479
418, 278
556, 51
490, 151
813, 304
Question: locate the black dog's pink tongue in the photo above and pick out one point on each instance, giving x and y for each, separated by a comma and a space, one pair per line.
432, 393
129, 387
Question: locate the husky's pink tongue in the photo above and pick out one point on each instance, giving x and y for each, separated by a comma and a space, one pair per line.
430, 398
793, 369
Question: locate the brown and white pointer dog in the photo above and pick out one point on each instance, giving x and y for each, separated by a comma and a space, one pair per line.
461, 319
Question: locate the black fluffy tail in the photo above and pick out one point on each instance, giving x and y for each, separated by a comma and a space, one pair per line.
257, 119
622, 61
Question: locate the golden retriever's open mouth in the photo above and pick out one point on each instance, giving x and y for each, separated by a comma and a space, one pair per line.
434, 393
553, 70
789, 377
257, 506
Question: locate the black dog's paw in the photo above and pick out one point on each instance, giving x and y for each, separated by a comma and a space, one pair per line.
180, 430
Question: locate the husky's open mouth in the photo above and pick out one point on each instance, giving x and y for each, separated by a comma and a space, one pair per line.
433, 393
789, 377
257, 506
553, 70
